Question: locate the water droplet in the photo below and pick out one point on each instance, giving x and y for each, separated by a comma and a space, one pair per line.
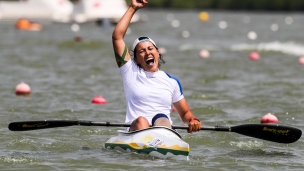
274, 27
186, 34
175, 23
252, 35
222, 24
288, 20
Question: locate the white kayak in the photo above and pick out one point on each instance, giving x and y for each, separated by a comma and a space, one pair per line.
159, 142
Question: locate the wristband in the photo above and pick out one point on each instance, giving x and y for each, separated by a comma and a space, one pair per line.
194, 119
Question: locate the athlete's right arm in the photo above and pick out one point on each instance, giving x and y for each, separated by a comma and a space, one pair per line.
122, 54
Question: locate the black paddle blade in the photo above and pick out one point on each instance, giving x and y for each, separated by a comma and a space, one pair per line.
33, 125
269, 132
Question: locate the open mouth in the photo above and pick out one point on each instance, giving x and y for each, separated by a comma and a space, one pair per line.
150, 61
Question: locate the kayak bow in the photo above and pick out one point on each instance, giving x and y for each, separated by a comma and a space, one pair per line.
159, 142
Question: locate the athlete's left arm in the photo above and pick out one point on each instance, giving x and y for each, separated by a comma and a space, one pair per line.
187, 116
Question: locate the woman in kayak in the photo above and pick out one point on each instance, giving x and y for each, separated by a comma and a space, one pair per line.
149, 91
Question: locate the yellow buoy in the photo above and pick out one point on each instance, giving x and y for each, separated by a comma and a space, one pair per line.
203, 16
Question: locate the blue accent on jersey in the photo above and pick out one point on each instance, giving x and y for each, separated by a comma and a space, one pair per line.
157, 116
178, 82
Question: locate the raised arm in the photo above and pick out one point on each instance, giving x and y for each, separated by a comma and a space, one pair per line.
122, 54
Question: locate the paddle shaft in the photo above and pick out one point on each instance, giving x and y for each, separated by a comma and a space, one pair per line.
33, 125
270, 132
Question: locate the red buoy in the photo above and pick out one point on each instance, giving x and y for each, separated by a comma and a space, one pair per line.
269, 118
204, 53
78, 38
301, 60
173, 109
255, 56
99, 100
22, 89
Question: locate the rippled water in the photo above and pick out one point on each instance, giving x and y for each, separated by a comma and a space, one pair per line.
226, 89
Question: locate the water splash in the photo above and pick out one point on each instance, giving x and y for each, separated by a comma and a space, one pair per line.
20, 160
247, 145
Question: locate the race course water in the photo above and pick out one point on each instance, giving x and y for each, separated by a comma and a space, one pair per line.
225, 89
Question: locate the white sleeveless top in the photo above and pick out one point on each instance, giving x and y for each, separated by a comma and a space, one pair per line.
148, 93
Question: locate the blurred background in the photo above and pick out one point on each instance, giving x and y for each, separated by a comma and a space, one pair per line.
269, 5
238, 61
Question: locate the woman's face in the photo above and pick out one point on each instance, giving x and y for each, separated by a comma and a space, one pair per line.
147, 56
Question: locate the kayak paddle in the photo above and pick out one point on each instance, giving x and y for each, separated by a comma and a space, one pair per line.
269, 132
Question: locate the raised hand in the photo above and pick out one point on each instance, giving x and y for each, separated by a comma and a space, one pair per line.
137, 4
